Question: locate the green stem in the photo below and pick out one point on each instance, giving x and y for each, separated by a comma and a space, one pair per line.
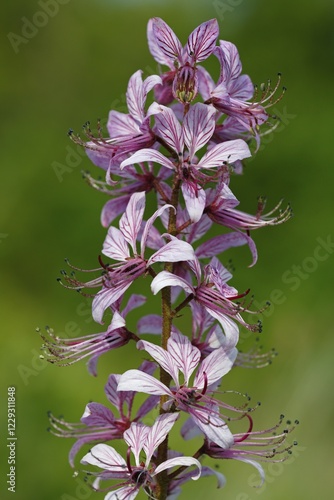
167, 321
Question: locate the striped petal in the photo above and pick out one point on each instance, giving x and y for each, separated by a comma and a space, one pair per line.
199, 125
202, 40
227, 152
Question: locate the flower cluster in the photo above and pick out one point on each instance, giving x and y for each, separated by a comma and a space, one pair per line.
180, 150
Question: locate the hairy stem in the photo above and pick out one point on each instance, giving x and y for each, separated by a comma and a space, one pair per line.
167, 321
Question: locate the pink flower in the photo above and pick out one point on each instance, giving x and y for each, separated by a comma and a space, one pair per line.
66, 351
139, 438
181, 81
254, 447
221, 209
234, 95
99, 423
118, 245
213, 294
195, 132
128, 132
183, 358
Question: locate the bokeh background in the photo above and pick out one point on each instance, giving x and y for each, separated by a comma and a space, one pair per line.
74, 67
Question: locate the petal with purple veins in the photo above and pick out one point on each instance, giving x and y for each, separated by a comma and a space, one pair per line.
182, 462
166, 40
199, 125
135, 437
174, 251
185, 355
121, 125
161, 356
96, 414
229, 151
135, 380
202, 40
168, 127
214, 367
149, 224
154, 48
105, 297
124, 493
230, 328
131, 220
147, 154
212, 426
157, 433
195, 200
115, 245
164, 278
106, 457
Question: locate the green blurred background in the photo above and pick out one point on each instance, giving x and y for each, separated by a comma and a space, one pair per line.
75, 67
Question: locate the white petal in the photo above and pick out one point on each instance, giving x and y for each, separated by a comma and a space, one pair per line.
174, 251
185, 355
116, 322
115, 245
168, 126
125, 493
180, 461
164, 358
105, 457
199, 125
228, 151
157, 433
149, 224
119, 125
134, 96
166, 39
165, 278
136, 380
147, 154
215, 366
195, 199
155, 50
231, 60
213, 427
202, 40
150, 82
230, 328
131, 220
105, 297
135, 437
